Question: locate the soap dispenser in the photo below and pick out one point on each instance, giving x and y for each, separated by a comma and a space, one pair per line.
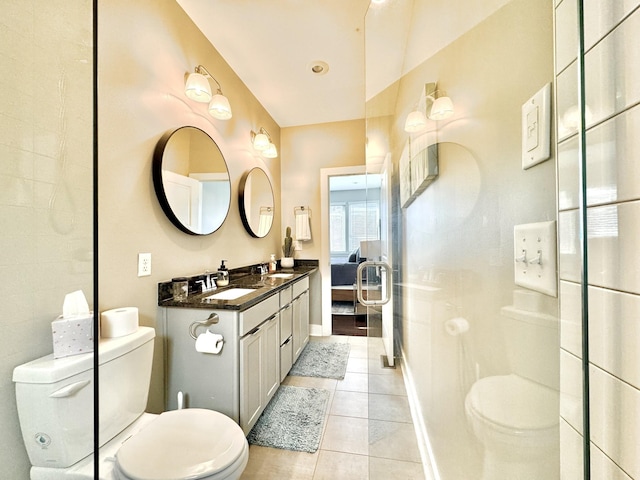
272, 263
223, 275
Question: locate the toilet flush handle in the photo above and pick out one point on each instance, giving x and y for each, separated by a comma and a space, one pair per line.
69, 390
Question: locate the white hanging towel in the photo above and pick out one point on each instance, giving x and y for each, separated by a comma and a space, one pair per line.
265, 223
303, 228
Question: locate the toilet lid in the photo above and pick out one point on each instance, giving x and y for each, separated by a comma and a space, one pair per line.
515, 402
190, 443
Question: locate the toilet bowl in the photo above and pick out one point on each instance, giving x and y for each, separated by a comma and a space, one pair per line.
189, 444
55, 407
515, 417
516, 420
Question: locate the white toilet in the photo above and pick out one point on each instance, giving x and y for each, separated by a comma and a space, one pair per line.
55, 405
516, 416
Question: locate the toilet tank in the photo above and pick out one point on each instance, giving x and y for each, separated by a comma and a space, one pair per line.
55, 398
532, 342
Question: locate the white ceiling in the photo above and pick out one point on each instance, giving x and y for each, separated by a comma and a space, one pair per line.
272, 44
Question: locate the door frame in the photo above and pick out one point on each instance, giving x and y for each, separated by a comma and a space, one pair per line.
325, 253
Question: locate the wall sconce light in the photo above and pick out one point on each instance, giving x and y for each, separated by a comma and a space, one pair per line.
261, 142
197, 88
433, 105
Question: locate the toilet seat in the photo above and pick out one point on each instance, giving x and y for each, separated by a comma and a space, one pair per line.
514, 403
191, 443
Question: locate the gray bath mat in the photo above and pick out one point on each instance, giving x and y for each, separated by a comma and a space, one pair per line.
320, 359
292, 420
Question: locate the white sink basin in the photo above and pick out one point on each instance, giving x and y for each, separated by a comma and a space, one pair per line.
281, 275
230, 294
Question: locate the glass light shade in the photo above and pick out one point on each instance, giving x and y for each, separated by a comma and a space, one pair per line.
197, 88
271, 151
219, 107
442, 108
261, 142
415, 122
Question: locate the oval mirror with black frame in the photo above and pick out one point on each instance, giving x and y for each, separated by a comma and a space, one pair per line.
191, 180
256, 202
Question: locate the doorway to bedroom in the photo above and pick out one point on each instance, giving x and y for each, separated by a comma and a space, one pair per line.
354, 236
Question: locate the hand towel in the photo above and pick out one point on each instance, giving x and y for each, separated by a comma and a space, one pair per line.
303, 229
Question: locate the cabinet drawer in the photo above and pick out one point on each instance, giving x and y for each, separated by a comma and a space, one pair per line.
286, 322
300, 286
251, 318
286, 358
286, 296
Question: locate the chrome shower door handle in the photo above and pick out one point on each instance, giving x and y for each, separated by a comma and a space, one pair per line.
385, 272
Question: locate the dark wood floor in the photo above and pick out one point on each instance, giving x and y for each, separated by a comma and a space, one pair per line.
346, 321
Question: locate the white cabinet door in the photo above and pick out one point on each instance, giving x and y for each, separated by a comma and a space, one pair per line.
271, 358
286, 358
252, 382
304, 318
286, 325
259, 370
300, 323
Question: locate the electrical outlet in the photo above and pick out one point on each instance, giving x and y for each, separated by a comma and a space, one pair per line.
144, 264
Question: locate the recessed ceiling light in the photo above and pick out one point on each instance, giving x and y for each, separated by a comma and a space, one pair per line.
319, 67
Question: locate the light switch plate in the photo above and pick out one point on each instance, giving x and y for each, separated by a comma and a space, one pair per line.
535, 263
536, 128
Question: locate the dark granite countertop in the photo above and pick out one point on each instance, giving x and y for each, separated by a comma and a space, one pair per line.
264, 286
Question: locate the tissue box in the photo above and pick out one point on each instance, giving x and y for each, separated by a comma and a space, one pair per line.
72, 335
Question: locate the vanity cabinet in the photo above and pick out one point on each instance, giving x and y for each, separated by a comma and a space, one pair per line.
260, 345
286, 331
300, 316
294, 323
241, 379
259, 359
259, 370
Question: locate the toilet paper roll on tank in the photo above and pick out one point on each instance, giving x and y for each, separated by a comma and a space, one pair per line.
456, 326
118, 322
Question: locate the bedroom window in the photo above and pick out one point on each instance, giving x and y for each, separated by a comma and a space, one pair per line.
338, 228
353, 222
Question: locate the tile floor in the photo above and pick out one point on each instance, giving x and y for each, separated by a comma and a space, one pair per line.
368, 433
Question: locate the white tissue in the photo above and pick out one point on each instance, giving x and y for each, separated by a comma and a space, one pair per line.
72, 331
209, 342
118, 322
75, 304
456, 326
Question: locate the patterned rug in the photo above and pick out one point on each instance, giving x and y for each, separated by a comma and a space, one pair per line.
320, 359
292, 420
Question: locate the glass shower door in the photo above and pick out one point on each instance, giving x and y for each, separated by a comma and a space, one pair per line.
476, 352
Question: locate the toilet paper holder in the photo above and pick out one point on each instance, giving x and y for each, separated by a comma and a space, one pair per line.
212, 320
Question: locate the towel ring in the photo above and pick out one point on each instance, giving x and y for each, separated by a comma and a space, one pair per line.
301, 210
212, 320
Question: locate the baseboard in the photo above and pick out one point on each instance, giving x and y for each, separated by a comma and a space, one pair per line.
315, 330
424, 445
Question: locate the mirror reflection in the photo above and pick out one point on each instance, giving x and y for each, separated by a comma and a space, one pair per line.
256, 202
191, 180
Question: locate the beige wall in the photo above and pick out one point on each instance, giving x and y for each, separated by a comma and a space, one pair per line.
145, 50
305, 151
